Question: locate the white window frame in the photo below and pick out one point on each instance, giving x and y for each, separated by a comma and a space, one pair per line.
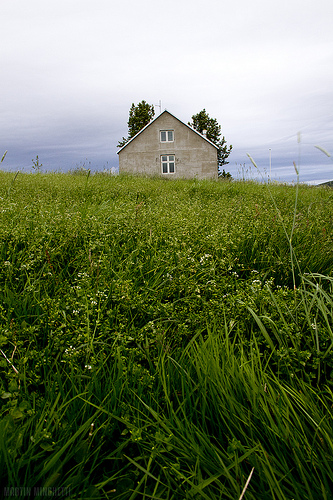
169, 135
168, 161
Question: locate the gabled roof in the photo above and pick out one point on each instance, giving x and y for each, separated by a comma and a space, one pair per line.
157, 117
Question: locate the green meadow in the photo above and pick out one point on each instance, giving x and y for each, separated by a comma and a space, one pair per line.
164, 339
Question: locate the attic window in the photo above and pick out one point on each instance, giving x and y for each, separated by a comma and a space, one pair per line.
166, 135
168, 164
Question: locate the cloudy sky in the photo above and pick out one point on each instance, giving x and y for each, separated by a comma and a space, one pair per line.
70, 70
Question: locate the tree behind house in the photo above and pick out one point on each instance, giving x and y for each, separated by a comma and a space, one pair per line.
139, 117
202, 121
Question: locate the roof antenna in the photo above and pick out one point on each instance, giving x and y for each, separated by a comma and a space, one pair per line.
159, 105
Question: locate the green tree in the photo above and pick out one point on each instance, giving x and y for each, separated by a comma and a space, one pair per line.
202, 121
139, 117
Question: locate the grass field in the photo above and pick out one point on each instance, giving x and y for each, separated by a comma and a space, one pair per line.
165, 339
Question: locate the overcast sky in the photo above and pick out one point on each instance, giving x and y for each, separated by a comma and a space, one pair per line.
70, 70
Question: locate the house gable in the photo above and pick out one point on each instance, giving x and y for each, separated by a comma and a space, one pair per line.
169, 147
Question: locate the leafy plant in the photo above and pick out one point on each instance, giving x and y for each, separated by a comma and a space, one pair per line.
161, 352
36, 165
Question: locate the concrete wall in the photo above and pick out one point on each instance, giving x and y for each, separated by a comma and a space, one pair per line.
194, 156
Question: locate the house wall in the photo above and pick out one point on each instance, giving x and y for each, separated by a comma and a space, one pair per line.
194, 156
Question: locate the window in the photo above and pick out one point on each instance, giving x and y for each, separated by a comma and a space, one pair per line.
166, 135
168, 164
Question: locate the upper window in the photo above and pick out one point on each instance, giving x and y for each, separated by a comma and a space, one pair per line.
167, 135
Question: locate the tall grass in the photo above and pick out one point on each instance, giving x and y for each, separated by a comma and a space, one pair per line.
164, 342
